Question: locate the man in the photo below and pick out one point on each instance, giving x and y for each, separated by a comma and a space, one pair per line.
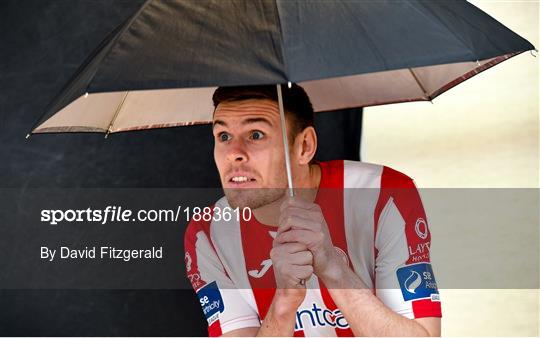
348, 255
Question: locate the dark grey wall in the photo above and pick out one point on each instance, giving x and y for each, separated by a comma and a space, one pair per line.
42, 44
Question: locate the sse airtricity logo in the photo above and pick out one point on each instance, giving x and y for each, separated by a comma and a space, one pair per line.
413, 282
211, 302
417, 281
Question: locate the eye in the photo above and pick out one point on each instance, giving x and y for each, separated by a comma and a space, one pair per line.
257, 135
223, 137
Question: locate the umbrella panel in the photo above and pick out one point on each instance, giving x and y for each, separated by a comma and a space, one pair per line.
146, 109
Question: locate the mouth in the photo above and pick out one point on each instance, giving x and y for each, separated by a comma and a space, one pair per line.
241, 180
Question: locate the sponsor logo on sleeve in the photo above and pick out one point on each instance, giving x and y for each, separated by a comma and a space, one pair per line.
188, 261
419, 252
421, 228
211, 302
418, 241
196, 280
417, 281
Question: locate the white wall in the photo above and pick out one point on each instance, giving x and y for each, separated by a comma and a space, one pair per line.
482, 133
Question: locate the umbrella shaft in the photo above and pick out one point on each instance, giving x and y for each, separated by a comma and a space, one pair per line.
285, 140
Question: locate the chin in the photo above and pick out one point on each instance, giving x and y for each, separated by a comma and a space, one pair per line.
252, 198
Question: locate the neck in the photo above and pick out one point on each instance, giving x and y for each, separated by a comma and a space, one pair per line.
305, 185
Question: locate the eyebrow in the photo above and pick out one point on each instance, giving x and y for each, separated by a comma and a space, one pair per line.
257, 119
246, 121
218, 122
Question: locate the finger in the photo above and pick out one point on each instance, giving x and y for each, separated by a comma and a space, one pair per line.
303, 204
301, 236
283, 226
291, 248
285, 204
301, 258
314, 210
295, 222
299, 221
282, 249
302, 272
298, 202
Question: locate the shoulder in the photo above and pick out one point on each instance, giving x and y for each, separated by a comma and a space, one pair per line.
391, 178
370, 175
194, 227
362, 168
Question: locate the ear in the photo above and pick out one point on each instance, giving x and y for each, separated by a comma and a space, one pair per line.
305, 145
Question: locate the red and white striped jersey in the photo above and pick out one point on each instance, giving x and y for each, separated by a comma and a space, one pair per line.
377, 223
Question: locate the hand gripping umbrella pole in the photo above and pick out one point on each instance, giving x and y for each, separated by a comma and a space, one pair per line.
285, 139
301, 282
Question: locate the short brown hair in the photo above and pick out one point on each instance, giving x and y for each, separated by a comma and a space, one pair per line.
295, 101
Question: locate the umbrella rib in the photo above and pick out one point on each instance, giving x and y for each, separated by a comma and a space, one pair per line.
282, 42
118, 108
426, 94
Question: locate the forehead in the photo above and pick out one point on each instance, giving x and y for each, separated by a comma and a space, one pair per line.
245, 108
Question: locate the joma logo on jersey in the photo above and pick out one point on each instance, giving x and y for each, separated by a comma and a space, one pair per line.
265, 266
316, 316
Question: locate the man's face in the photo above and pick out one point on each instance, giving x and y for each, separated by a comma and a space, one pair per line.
248, 150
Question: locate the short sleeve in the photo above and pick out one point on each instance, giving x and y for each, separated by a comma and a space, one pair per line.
404, 279
224, 307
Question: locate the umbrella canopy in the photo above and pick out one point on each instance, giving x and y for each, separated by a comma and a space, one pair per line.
161, 67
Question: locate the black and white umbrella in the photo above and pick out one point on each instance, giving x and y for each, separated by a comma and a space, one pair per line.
160, 68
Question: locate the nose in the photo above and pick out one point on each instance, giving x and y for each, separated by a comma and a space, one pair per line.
237, 152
